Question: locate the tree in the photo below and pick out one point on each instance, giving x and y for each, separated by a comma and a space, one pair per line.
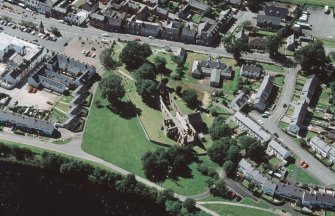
312, 56
220, 188
106, 58
190, 97
178, 90
233, 153
254, 5
160, 63
253, 148
112, 88
97, 103
155, 164
229, 168
246, 140
219, 128
55, 31
218, 152
273, 44
146, 88
173, 207
179, 156
145, 71
134, 54
189, 204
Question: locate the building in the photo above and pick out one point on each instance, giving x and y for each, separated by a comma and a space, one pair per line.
298, 118
271, 10
318, 200
319, 146
252, 128
263, 94
77, 18
265, 21
159, 12
192, 5
291, 43
188, 35
309, 88
289, 192
61, 9
24, 122
171, 31
213, 69
274, 148
180, 54
59, 73
90, 5
98, 20
240, 101
41, 6
142, 28
250, 71
20, 57
130, 7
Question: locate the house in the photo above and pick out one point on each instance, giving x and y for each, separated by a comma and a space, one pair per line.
98, 20
265, 21
251, 71
61, 9
90, 5
318, 200
331, 135
239, 102
159, 12
289, 192
192, 5
142, 28
180, 54
18, 120
42, 7
319, 146
263, 94
130, 7
143, 13
257, 43
298, 118
274, 148
271, 10
171, 31
236, 3
309, 88
252, 128
213, 69
291, 43
188, 35
77, 18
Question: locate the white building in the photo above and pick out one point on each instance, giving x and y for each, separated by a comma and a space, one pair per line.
274, 148
320, 146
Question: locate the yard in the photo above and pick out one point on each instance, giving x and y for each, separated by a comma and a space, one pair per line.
170, 65
282, 125
229, 86
196, 18
57, 116
279, 80
65, 107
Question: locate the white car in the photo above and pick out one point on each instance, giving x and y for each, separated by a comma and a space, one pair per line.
151, 37
33, 32
83, 51
260, 121
105, 35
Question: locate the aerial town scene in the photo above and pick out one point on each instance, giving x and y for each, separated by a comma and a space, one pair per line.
176, 108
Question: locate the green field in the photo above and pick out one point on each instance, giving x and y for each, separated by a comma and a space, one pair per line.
63, 106
170, 65
279, 80
227, 210
260, 203
304, 177
271, 67
229, 86
196, 18
312, 2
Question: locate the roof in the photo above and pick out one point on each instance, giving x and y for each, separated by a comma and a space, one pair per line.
240, 100
251, 68
236, 2
188, 32
268, 20
253, 126
198, 5
279, 148
320, 144
98, 16
215, 76
318, 197
308, 90
272, 10
264, 91
269, 185
299, 114
290, 191
290, 40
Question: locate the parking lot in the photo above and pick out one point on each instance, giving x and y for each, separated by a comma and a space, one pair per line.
38, 100
323, 25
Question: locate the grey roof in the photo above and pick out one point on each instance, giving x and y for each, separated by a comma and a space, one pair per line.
251, 68
27, 122
188, 32
215, 76
290, 40
257, 41
81, 89
268, 185
318, 197
279, 148
75, 110
252, 126
308, 90
98, 16
272, 10
299, 114
264, 92
268, 20
236, 2
245, 165
289, 191
320, 144
251, 172
240, 100
198, 5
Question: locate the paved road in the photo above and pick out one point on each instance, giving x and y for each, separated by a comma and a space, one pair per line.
70, 32
316, 168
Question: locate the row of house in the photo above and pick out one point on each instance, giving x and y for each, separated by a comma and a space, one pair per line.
301, 109
275, 148
250, 71
263, 94
214, 69
272, 17
310, 199
322, 148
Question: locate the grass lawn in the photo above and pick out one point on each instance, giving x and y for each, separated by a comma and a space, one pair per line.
323, 102
260, 203
290, 110
328, 42
275, 161
279, 80
304, 177
57, 116
66, 99
196, 18
229, 86
265, 33
311, 134
271, 67
282, 125
312, 2
227, 210
63, 106
182, 105
190, 57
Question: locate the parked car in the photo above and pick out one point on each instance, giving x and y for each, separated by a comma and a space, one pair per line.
50, 103
65, 44
306, 165
35, 40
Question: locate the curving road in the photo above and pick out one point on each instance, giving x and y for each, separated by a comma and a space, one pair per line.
316, 168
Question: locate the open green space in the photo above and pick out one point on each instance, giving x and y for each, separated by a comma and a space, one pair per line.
304, 177
260, 203
229, 86
275, 161
57, 116
196, 18
271, 67
328, 42
63, 106
170, 65
282, 125
227, 210
279, 80
265, 33
311, 2
66, 98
